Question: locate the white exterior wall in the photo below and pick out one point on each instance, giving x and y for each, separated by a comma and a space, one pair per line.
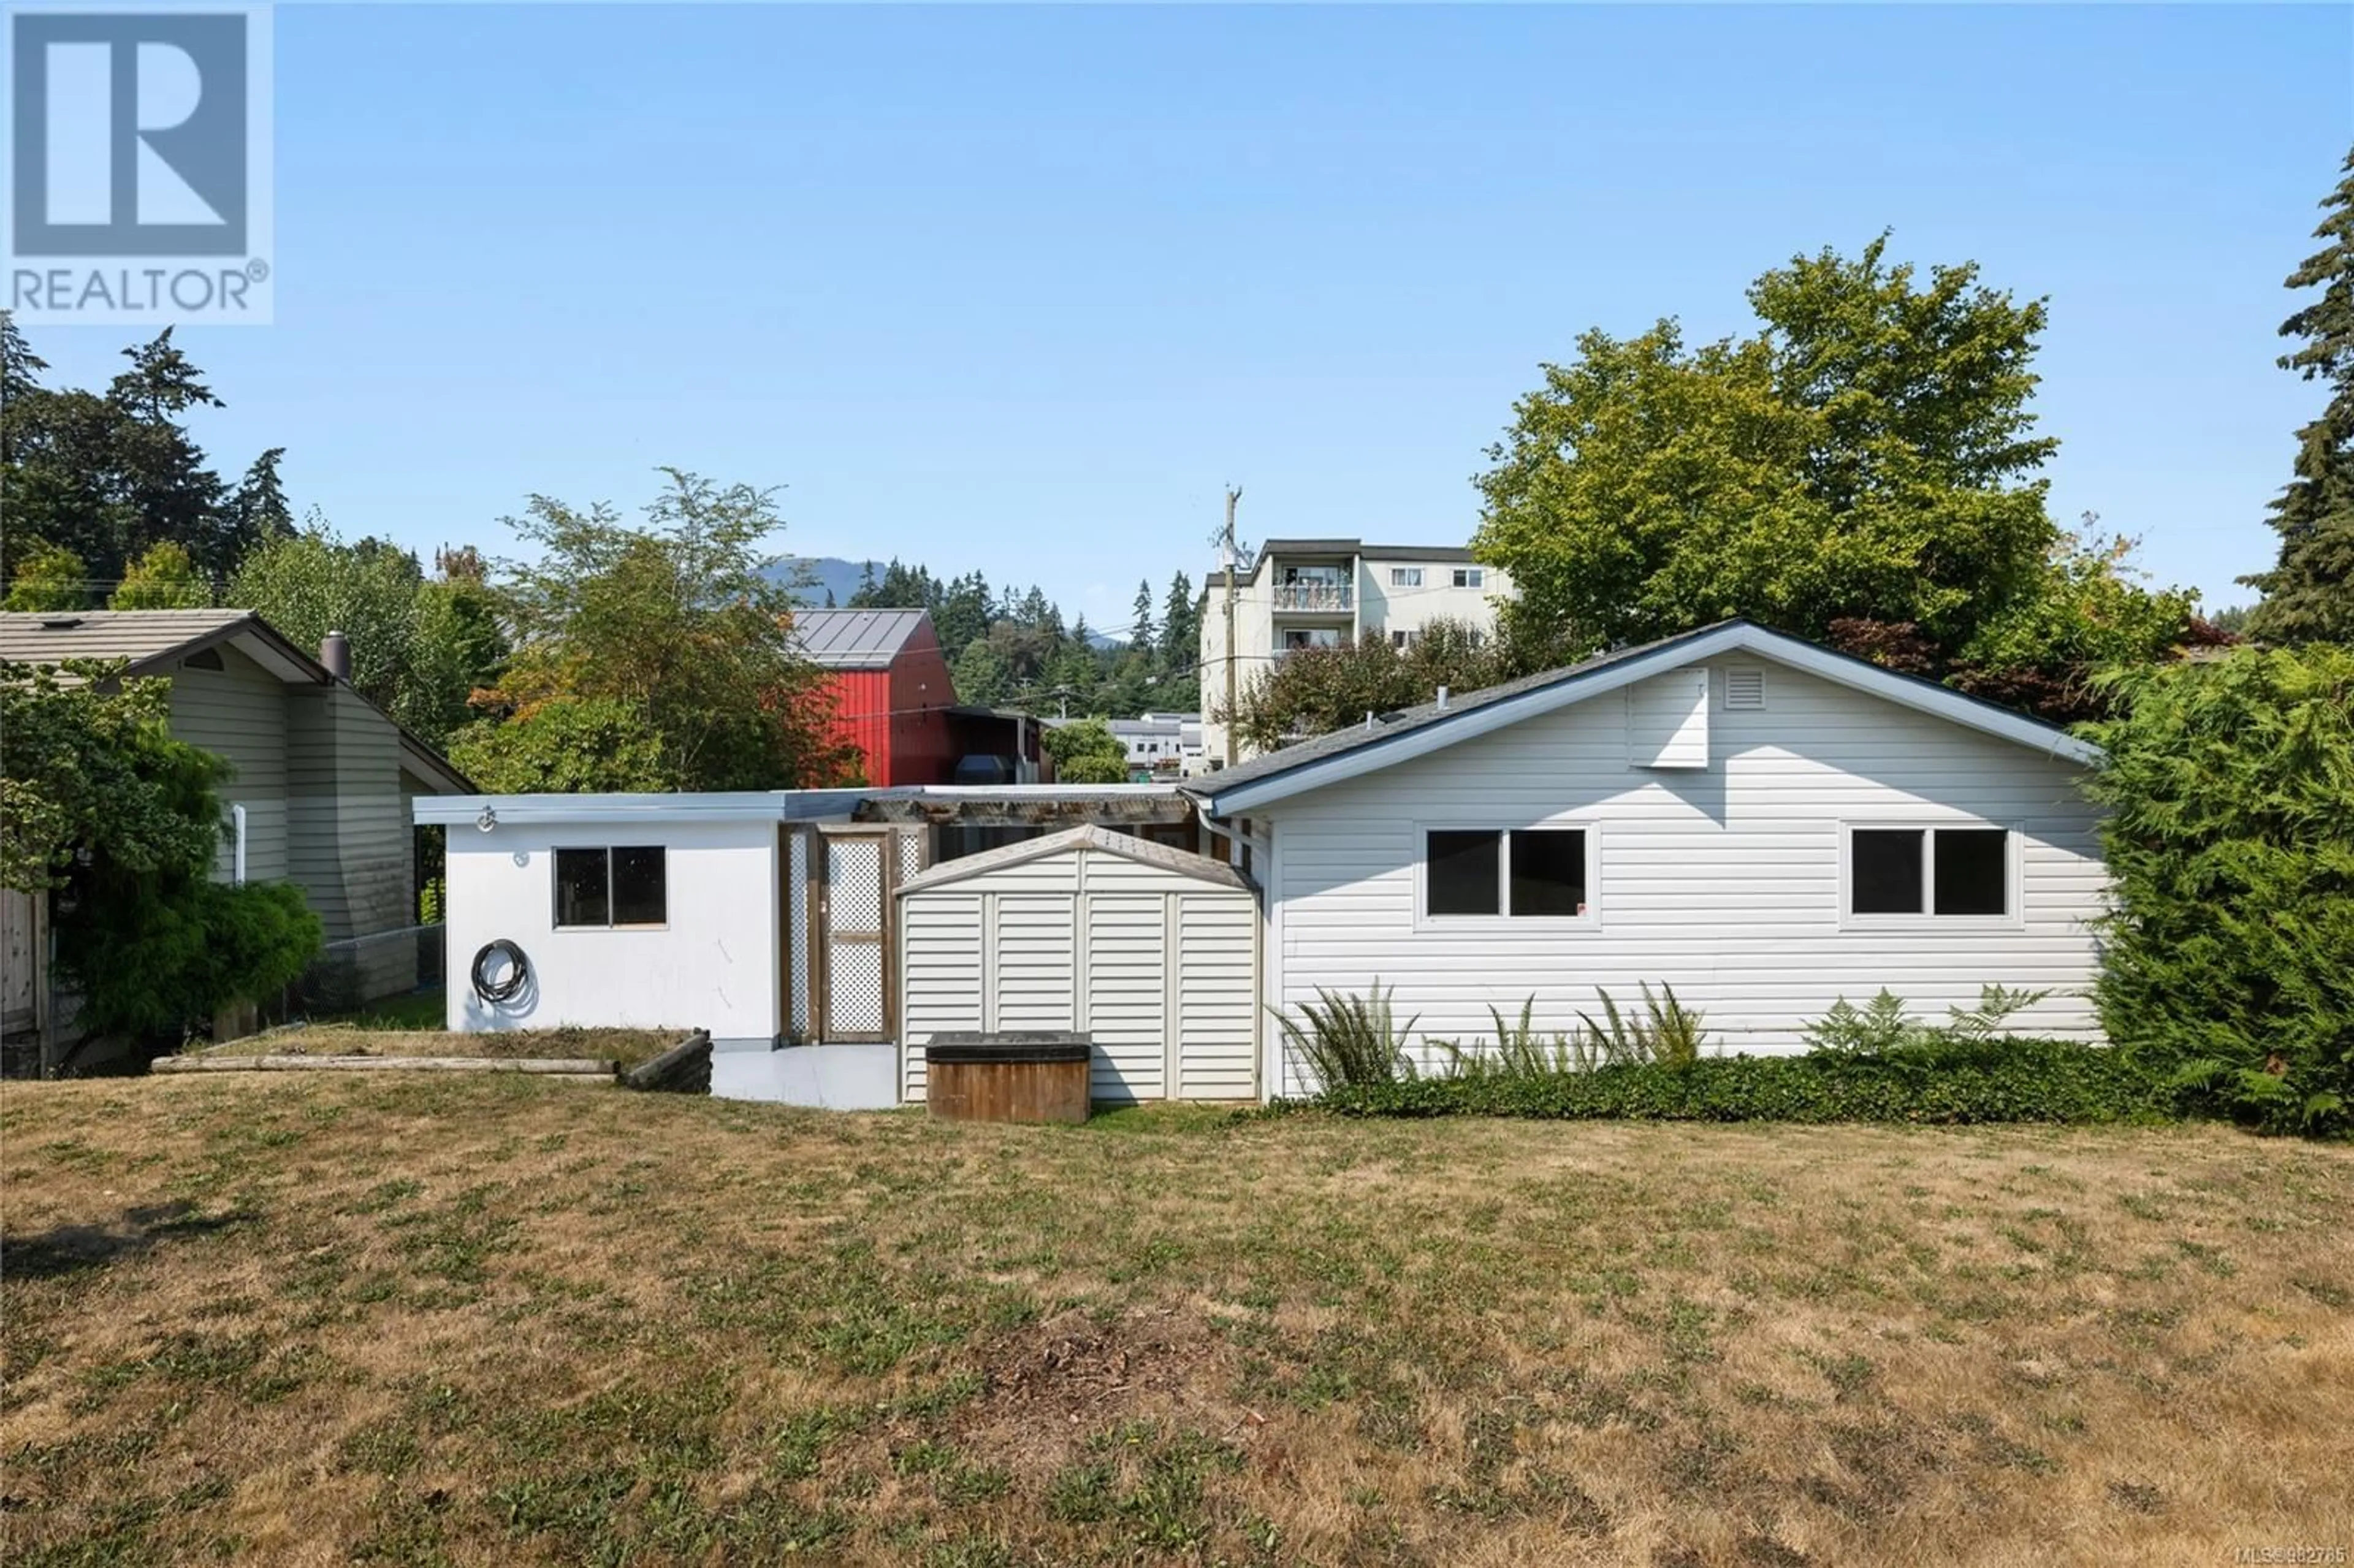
1390, 609
1725, 882
1155, 967
714, 966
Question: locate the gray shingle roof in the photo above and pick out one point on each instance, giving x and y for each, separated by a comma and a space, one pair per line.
142, 636
854, 639
152, 638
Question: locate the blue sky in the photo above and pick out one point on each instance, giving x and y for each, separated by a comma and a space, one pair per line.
1022, 289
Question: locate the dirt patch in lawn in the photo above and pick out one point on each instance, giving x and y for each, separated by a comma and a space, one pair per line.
298, 1319
627, 1046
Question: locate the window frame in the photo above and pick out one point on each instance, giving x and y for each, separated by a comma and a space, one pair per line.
556, 887
2012, 919
1472, 577
1504, 920
1405, 577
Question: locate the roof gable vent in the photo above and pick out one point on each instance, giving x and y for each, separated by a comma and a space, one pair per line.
1745, 688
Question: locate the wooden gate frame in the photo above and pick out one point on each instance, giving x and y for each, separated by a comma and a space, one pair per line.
817, 901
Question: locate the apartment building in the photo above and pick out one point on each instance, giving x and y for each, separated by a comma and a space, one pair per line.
1163, 743
1309, 593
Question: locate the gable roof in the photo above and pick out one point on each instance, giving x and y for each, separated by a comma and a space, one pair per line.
1417, 731
1144, 851
152, 640
856, 639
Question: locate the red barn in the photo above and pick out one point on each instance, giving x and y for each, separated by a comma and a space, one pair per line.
891, 689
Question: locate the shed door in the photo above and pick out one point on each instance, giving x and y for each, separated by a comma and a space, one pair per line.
1162, 981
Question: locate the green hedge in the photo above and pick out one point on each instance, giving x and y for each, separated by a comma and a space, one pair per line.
2002, 1080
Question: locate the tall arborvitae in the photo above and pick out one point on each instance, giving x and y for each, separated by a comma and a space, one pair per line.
2309, 594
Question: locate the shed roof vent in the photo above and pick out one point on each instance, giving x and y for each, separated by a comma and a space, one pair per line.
1745, 688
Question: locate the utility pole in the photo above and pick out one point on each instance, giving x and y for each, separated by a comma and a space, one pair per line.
1234, 495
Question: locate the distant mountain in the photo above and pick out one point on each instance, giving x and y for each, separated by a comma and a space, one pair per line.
844, 577
826, 572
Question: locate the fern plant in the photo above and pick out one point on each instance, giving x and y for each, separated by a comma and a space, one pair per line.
1665, 1032
1348, 1040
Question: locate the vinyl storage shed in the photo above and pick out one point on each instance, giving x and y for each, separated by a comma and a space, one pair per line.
1149, 952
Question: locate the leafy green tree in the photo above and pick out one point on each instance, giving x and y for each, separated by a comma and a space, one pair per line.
162, 578
48, 577
121, 823
1866, 459
310, 583
85, 749
2309, 592
2086, 613
563, 746
675, 621
1312, 690
109, 475
461, 643
982, 676
1867, 453
2229, 845
1084, 751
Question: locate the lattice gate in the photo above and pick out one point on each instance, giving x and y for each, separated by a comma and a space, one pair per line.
852, 879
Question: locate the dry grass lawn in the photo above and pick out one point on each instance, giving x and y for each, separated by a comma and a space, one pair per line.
291, 1319
627, 1046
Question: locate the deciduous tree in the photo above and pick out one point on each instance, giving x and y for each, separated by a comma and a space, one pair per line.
1867, 456
675, 622
162, 578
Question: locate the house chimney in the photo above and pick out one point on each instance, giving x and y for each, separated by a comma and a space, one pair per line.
335, 653
1442, 699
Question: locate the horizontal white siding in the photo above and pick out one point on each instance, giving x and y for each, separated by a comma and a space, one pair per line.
1156, 967
1216, 945
1723, 882
942, 979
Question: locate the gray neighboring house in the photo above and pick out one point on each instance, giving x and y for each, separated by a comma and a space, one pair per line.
325, 777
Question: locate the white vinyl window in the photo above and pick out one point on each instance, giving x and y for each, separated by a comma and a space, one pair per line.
1510, 874
1470, 577
1401, 638
1938, 873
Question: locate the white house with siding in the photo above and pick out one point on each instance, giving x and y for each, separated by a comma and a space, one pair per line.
1761, 823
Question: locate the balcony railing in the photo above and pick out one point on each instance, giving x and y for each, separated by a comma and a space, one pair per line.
1336, 597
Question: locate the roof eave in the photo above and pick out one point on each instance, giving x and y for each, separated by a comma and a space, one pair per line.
1574, 687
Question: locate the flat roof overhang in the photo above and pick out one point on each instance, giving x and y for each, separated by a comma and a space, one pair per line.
1008, 805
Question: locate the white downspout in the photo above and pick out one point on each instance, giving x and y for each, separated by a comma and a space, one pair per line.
236, 817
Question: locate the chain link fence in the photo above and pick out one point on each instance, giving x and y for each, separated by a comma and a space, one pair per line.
348, 975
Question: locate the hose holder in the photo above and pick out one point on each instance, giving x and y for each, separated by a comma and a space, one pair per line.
509, 986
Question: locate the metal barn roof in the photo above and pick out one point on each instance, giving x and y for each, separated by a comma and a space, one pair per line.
856, 639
